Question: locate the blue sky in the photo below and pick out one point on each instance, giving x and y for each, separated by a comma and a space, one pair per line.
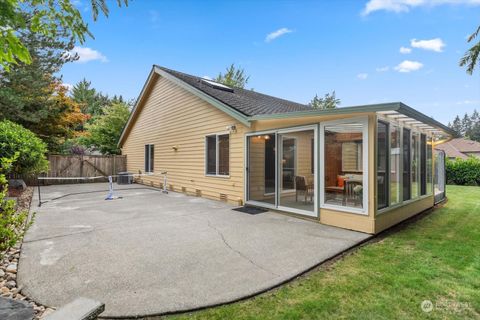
352, 47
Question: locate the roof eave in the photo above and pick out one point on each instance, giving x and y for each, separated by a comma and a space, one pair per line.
323, 112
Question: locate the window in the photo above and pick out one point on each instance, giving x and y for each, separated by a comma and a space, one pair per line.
217, 155
406, 164
429, 166
423, 165
395, 158
149, 156
382, 165
344, 152
415, 191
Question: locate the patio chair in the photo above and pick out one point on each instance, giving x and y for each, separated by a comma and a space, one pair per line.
301, 186
354, 191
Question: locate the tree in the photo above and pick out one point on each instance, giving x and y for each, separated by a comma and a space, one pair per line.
233, 77
22, 145
31, 94
470, 57
91, 102
329, 101
105, 130
48, 18
457, 126
466, 125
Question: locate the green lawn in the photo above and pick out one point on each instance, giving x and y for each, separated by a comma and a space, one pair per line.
436, 258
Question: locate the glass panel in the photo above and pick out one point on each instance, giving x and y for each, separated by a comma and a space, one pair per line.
395, 158
261, 168
223, 154
212, 155
382, 165
151, 157
439, 175
406, 164
147, 163
297, 175
415, 165
343, 165
423, 165
429, 166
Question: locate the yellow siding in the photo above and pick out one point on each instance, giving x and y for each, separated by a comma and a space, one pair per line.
172, 117
395, 215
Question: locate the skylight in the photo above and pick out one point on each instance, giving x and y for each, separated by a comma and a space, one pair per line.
217, 85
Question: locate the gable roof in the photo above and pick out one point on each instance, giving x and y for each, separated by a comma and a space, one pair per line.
247, 106
459, 147
247, 102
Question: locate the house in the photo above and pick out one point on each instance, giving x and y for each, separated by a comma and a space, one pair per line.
363, 168
460, 148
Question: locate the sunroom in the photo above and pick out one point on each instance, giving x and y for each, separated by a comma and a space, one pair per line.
363, 168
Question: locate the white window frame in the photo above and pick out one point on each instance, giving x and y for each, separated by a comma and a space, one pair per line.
365, 144
412, 129
277, 206
217, 174
151, 168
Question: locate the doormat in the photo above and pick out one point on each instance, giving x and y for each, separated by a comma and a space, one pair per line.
251, 210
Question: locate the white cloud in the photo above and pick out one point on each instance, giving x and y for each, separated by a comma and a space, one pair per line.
468, 102
408, 66
275, 34
405, 50
382, 69
68, 86
436, 44
86, 54
362, 76
405, 5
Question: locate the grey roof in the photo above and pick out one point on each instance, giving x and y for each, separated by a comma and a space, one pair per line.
247, 102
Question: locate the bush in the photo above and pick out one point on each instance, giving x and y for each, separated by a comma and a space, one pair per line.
30, 150
463, 172
11, 222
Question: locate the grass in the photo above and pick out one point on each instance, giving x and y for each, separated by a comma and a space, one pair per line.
436, 258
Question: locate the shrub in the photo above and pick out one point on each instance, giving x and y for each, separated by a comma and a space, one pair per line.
30, 150
11, 222
463, 172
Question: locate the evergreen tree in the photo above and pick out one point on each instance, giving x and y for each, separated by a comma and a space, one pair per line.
466, 125
457, 126
233, 77
32, 94
470, 57
329, 101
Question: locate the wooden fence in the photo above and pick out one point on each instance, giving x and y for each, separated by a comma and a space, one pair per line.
82, 166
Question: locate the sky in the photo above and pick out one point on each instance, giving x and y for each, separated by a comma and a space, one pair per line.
368, 51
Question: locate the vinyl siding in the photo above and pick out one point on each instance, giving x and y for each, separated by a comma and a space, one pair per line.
171, 117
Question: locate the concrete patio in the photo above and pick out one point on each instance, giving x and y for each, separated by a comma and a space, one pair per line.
151, 253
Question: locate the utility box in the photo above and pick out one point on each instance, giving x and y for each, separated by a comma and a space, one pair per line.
125, 178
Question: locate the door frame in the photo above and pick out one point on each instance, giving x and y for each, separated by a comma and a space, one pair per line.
276, 132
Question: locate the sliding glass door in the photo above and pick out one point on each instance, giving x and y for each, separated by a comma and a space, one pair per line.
261, 169
281, 170
297, 170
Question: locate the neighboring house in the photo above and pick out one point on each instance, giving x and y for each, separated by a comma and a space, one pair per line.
460, 148
364, 168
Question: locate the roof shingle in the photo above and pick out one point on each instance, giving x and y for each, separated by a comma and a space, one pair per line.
248, 102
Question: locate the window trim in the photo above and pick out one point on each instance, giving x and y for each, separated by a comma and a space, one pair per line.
387, 160
150, 166
216, 175
401, 126
365, 123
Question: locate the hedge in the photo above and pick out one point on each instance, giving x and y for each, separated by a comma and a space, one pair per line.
463, 171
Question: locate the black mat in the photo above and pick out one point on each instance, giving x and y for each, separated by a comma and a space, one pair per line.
250, 210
